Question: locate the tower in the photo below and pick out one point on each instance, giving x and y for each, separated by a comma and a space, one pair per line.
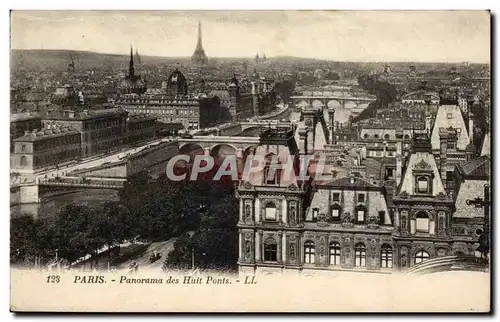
71, 64
131, 71
137, 57
199, 56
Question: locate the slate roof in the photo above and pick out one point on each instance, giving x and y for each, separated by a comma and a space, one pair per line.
479, 167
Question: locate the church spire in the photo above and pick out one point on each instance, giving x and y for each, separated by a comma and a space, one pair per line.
131, 71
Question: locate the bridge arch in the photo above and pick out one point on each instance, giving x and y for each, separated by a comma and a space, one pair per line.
318, 103
333, 103
221, 150
190, 148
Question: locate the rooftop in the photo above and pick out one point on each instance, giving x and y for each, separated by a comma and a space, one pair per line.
479, 167
40, 134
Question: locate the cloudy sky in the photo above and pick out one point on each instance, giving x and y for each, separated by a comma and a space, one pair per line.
437, 36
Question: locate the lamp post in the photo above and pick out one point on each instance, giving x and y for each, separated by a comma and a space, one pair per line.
484, 238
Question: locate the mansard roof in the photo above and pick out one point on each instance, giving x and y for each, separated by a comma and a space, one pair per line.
476, 168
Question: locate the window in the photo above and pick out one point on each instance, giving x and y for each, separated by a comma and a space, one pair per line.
386, 136
315, 213
360, 215
449, 116
389, 173
336, 196
334, 254
423, 185
23, 161
360, 255
381, 217
270, 211
309, 252
406, 137
421, 256
422, 222
375, 136
386, 256
361, 197
23, 147
270, 250
335, 213
366, 136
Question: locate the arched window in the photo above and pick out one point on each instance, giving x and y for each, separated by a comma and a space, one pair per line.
270, 211
407, 137
366, 136
421, 256
423, 185
375, 136
23, 162
334, 253
360, 255
422, 222
386, 256
386, 136
270, 250
309, 252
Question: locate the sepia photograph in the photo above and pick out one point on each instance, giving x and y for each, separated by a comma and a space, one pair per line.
250, 161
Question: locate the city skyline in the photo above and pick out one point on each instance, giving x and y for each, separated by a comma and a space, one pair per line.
408, 36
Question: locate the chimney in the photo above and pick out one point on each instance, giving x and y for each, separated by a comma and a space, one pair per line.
26, 133
471, 128
399, 162
303, 139
428, 124
443, 139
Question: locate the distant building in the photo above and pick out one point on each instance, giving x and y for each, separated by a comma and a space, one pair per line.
21, 122
49, 146
421, 97
132, 83
69, 135
169, 104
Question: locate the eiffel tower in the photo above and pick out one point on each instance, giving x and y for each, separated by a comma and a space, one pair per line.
199, 56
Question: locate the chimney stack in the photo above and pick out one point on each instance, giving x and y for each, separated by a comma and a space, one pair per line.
443, 139
399, 162
471, 128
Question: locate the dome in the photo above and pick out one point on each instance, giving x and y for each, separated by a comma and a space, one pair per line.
176, 83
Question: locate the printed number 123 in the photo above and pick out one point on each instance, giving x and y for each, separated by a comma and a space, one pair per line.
53, 279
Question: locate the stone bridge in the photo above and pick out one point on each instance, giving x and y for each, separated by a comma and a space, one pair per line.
233, 129
209, 144
326, 97
47, 188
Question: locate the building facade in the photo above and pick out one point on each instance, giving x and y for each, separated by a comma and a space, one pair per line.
40, 148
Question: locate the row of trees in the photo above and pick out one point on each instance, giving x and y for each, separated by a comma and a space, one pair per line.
385, 92
154, 210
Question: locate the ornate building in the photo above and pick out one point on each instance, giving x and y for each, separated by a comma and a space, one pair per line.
199, 56
270, 222
358, 222
423, 210
132, 83
169, 104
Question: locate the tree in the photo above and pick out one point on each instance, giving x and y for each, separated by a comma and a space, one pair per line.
29, 239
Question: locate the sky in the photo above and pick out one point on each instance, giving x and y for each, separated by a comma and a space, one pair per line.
364, 36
